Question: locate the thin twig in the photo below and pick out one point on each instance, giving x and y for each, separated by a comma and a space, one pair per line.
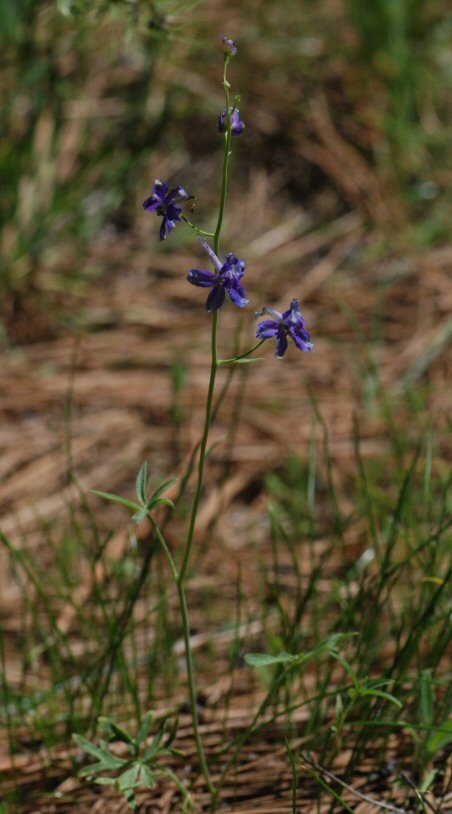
344, 785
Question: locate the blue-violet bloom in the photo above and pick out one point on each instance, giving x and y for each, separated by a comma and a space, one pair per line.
163, 201
290, 323
226, 278
237, 126
229, 46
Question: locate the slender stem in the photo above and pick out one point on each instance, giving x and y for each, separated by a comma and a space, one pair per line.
242, 355
188, 654
201, 463
202, 451
192, 687
197, 229
165, 547
227, 153
214, 351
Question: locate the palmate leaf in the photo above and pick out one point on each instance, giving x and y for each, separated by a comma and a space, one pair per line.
106, 760
147, 779
129, 778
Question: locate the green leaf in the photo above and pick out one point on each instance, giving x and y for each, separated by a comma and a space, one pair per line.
142, 483
106, 760
163, 488
266, 660
237, 361
129, 794
171, 733
111, 728
147, 779
440, 739
105, 781
153, 748
129, 778
90, 748
160, 501
140, 515
356, 692
427, 698
116, 499
145, 728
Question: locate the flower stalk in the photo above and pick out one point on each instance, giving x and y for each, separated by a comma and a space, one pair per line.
180, 582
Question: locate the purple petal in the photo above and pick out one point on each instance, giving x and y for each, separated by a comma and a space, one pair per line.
293, 314
150, 204
211, 254
237, 294
160, 189
237, 126
163, 228
301, 338
216, 298
202, 278
234, 266
267, 329
281, 346
179, 193
173, 211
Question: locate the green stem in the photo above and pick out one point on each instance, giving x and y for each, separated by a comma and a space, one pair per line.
202, 451
188, 654
227, 153
242, 355
197, 229
201, 463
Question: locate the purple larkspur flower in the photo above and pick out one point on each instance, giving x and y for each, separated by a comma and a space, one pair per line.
226, 278
290, 323
163, 201
237, 126
229, 46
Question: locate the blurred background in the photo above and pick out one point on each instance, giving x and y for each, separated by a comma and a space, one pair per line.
339, 195
345, 107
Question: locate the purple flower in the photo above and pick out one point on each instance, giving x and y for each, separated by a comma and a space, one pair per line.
226, 278
237, 126
163, 201
290, 323
229, 46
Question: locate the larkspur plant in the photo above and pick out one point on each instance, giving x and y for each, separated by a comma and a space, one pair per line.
225, 278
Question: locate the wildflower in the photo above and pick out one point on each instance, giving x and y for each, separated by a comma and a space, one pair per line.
229, 46
290, 323
237, 126
163, 201
226, 278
